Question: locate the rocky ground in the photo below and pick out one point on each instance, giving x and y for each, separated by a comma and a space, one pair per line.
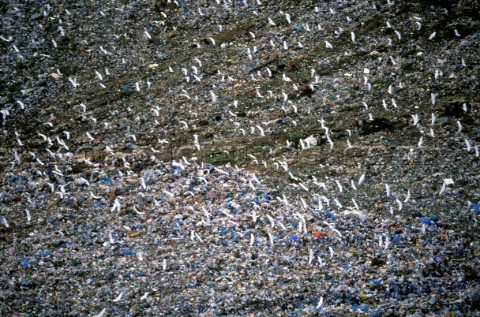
239, 158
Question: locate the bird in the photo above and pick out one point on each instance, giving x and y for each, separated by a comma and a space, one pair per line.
74, 82
100, 77
415, 119
213, 96
328, 45
287, 16
118, 298
184, 123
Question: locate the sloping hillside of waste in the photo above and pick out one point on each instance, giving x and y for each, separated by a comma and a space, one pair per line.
264, 158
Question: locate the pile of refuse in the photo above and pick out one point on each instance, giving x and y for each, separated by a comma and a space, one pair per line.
265, 158
188, 238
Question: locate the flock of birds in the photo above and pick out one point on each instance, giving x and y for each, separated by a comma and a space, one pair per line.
198, 92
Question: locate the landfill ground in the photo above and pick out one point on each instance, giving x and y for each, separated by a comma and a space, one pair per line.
239, 158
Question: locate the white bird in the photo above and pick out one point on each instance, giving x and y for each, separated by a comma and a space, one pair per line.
214, 97
420, 142
74, 82
100, 77
387, 190
328, 45
104, 51
22, 105
119, 297
184, 123
353, 38
116, 205
270, 22
408, 196
353, 185
102, 312
340, 188
89, 136
271, 238
460, 127
400, 205
361, 179
9, 39
415, 119
262, 133
144, 296
432, 36
287, 16
469, 146
310, 256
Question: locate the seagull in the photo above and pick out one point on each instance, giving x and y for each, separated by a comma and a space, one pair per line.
119, 297
469, 146
420, 142
415, 119
214, 97
328, 45
185, 124
74, 82
22, 105
116, 205
100, 77
320, 303
287, 16
102, 312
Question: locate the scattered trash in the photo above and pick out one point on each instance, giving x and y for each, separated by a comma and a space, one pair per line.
239, 158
